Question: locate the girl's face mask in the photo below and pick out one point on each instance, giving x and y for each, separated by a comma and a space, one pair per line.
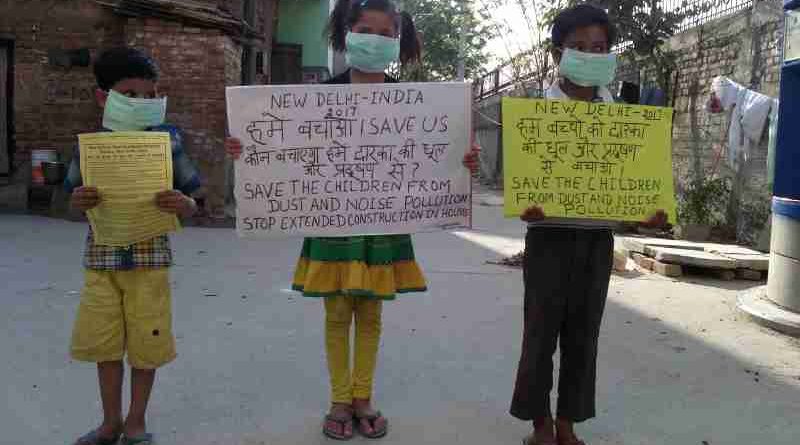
371, 53
123, 113
588, 69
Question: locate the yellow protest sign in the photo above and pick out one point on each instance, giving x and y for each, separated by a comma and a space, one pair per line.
128, 169
587, 160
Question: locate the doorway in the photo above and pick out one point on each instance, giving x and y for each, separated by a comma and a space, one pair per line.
6, 110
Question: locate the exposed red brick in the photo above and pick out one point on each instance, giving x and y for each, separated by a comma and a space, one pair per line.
53, 104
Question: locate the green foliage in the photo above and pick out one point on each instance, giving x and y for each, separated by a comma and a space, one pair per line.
439, 23
531, 68
703, 201
644, 23
754, 215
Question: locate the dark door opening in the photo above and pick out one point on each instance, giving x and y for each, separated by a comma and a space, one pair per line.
6, 107
287, 64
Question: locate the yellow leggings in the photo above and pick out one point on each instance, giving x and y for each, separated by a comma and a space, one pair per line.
339, 312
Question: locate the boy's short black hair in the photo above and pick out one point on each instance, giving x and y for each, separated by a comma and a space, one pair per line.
122, 63
580, 16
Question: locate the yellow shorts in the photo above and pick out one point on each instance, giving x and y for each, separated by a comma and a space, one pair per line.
123, 311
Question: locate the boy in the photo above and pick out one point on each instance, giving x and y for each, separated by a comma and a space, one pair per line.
567, 261
125, 304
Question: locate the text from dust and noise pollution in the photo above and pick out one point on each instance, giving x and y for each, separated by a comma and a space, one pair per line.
352, 159
587, 160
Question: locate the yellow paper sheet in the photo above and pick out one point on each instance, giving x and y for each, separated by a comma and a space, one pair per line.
128, 169
587, 160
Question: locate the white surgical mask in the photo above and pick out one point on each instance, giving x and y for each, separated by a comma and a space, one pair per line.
370, 53
587, 69
123, 113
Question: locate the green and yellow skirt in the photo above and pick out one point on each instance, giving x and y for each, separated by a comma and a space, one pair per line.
361, 266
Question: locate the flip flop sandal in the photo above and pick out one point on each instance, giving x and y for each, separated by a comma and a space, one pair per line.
342, 422
376, 434
142, 439
93, 438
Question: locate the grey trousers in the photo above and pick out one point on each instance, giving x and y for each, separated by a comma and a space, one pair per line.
566, 274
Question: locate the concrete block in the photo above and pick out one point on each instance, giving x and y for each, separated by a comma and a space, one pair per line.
668, 270
785, 238
784, 280
766, 313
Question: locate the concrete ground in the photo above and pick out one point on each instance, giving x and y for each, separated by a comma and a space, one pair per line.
677, 363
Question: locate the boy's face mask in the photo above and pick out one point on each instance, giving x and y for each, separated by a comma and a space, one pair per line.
587, 69
371, 53
123, 113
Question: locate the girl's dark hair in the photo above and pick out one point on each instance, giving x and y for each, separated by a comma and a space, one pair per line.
581, 16
122, 63
346, 13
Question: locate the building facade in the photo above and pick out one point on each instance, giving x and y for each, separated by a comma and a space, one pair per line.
47, 90
301, 50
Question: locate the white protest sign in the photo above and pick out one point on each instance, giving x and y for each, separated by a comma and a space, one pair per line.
335, 160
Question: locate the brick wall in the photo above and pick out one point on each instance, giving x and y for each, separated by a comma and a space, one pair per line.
745, 47
233, 63
266, 15
193, 77
52, 104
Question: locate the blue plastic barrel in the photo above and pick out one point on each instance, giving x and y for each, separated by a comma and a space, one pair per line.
786, 207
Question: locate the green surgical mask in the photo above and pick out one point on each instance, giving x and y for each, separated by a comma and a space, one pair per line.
123, 113
587, 69
370, 53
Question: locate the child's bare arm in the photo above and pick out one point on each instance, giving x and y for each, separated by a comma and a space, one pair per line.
233, 147
532, 214
173, 201
472, 159
85, 198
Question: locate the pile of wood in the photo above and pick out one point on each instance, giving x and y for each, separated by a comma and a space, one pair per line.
674, 258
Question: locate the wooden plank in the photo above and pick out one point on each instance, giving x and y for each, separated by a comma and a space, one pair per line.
639, 244
686, 257
758, 263
731, 248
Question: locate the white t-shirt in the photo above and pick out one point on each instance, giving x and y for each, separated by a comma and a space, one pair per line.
603, 95
555, 92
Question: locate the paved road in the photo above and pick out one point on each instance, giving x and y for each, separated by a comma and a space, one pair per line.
678, 364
